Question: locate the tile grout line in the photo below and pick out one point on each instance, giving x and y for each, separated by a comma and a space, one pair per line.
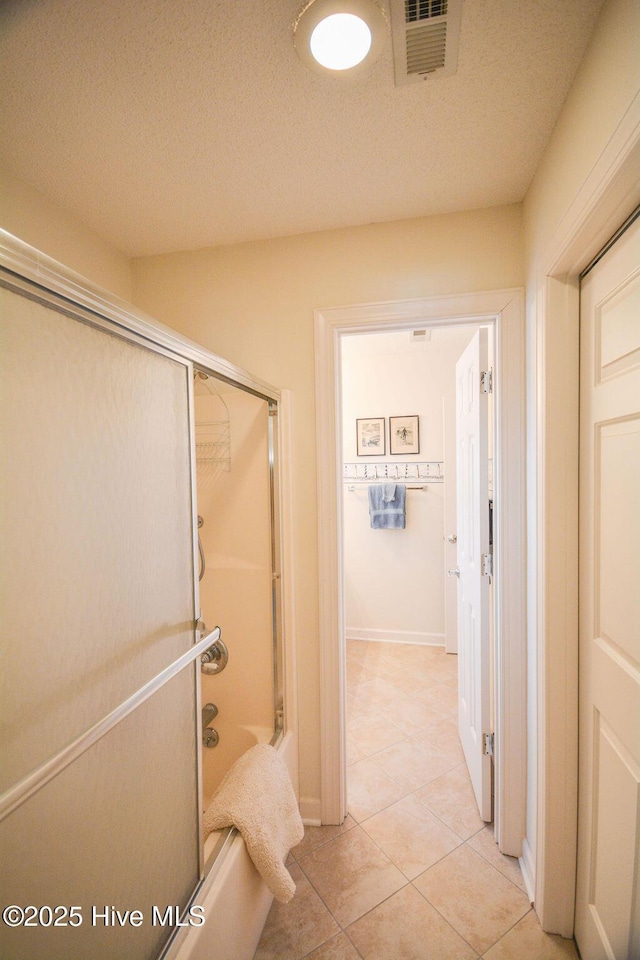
449, 716
360, 714
343, 929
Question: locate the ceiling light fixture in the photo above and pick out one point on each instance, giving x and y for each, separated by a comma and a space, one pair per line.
340, 36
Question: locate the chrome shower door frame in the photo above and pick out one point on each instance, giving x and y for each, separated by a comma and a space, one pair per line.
26, 272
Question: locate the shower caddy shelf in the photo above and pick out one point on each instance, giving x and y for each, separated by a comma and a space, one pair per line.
213, 442
213, 437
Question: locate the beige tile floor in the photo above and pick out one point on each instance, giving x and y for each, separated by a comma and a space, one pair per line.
413, 873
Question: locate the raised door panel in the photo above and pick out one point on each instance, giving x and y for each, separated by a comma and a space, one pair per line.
607, 901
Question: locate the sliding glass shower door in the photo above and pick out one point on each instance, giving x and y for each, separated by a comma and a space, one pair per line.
98, 851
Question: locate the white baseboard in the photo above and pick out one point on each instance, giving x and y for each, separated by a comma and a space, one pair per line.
527, 866
310, 811
395, 636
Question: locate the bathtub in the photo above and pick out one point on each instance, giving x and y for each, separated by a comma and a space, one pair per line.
233, 895
234, 741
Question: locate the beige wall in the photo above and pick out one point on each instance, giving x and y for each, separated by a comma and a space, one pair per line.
592, 130
28, 215
233, 500
606, 84
253, 304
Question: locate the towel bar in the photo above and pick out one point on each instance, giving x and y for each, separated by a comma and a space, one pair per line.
409, 486
16, 795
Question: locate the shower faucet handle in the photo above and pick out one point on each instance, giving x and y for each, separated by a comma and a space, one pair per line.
210, 737
215, 659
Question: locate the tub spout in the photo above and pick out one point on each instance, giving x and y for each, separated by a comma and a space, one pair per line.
209, 713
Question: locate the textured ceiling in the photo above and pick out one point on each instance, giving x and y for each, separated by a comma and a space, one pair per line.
176, 124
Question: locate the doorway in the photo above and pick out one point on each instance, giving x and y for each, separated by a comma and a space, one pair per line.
404, 585
505, 309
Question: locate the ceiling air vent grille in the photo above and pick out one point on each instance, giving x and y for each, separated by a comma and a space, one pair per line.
425, 38
423, 9
426, 48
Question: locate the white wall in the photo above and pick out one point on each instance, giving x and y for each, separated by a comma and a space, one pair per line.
394, 579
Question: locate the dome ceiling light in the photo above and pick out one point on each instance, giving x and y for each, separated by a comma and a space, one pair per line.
340, 36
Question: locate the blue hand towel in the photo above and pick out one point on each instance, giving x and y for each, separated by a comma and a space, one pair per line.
386, 506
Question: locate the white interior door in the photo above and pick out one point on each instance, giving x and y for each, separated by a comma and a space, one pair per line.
608, 905
450, 525
474, 704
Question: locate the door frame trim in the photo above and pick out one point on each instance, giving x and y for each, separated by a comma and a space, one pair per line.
505, 309
608, 194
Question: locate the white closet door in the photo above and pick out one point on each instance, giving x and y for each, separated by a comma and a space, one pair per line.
474, 693
97, 597
608, 901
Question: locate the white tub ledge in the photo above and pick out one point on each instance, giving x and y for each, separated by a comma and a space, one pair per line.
236, 901
235, 898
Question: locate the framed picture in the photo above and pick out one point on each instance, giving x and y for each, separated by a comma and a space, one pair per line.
370, 437
404, 435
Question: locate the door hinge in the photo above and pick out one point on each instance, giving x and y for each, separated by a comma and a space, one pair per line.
486, 381
487, 565
488, 743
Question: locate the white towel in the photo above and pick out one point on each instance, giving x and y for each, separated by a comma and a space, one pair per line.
256, 796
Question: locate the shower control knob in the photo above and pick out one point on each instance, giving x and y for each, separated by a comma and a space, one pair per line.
215, 659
